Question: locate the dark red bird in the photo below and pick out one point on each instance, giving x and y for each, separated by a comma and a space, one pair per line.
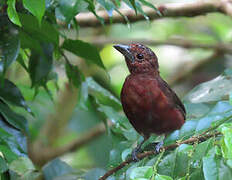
151, 106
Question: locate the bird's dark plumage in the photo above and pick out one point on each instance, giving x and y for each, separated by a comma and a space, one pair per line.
149, 103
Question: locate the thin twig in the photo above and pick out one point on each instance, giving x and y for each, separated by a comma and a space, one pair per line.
190, 9
140, 156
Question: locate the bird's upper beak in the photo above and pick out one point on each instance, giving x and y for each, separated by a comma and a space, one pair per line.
125, 50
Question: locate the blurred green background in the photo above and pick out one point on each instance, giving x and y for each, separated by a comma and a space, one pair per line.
182, 67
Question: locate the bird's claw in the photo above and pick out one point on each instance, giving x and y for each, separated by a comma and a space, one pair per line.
159, 146
134, 155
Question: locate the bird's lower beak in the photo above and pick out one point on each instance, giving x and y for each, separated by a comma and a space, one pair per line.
125, 50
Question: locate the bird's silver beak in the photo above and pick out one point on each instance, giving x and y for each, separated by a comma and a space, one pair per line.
125, 50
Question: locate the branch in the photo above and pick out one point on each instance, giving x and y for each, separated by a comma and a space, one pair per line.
40, 155
222, 47
192, 140
196, 8
56, 121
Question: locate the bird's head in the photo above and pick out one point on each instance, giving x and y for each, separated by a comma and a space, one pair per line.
139, 58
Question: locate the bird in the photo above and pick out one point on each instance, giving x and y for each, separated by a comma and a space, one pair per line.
149, 103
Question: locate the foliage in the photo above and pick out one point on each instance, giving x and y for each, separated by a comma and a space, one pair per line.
32, 39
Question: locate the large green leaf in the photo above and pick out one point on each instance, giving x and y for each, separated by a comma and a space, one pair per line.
122, 125
43, 33
36, 7
27, 41
21, 166
7, 153
226, 141
3, 165
40, 65
67, 9
175, 164
84, 50
10, 93
102, 95
212, 91
214, 167
10, 50
12, 138
12, 13
221, 112
56, 168
201, 150
74, 74
142, 172
13, 118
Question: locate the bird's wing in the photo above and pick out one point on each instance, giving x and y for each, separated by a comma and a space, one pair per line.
172, 95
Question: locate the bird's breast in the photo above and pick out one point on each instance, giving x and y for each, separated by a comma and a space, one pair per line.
140, 93
147, 107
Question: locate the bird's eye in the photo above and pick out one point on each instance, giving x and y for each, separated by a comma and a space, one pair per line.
139, 56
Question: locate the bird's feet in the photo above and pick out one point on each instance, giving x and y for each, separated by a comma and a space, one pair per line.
159, 146
134, 153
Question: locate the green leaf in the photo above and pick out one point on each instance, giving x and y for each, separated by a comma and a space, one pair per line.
74, 74
141, 172
211, 91
224, 171
182, 160
108, 5
95, 173
220, 113
147, 3
196, 110
21, 60
131, 4
162, 177
12, 13
210, 167
140, 10
10, 93
12, 138
84, 50
40, 65
29, 42
122, 124
44, 33
21, 166
197, 174
175, 164
168, 164
8, 154
102, 95
13, 118
214, 168
91, 7
3, 165
202, 149
118, 149
68, 9
230, 98
36, 7
10, 47
226, 141
56, 168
